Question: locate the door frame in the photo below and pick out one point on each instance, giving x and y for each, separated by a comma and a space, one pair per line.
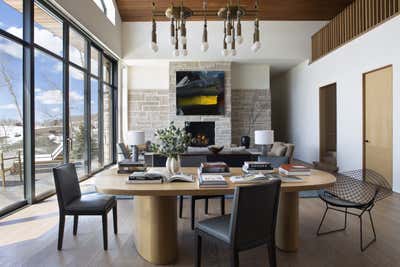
364, 112
319, 109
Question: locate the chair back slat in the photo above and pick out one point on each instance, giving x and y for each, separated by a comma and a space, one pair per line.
254, 214
67, 184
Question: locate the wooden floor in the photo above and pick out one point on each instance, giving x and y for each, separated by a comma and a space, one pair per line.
29, 237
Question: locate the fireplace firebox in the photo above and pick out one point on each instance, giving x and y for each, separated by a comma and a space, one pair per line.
202, 132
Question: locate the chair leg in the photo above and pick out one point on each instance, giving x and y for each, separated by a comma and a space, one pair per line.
223, 205
234, 258
75, 224
180, 206
206, 206
362, 247
197, 252
105, 239
332, 231
272, 254
115, 219
192, 212
61, 231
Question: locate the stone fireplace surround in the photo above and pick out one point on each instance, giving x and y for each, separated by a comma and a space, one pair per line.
149, 108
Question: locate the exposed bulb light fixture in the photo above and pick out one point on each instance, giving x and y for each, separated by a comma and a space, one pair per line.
256, 35
231, 15
184, 51
153, 44
172, 38
204, 41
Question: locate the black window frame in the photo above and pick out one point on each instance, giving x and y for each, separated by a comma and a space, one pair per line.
28, 61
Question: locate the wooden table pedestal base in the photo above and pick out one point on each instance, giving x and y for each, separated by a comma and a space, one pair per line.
155, 228
287, 226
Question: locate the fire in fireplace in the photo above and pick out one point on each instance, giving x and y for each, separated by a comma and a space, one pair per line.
202, 132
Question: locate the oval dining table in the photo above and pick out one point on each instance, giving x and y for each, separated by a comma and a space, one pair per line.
155, 209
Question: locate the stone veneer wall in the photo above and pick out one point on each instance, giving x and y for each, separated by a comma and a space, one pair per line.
148, 110
248, 103
223, 125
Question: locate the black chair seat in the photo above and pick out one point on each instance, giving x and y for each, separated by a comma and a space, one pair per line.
217, 227
338, 202
91, 204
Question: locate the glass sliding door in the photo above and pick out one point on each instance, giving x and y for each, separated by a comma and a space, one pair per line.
96, 162
49, 128
107, 125
77, 128
11, 123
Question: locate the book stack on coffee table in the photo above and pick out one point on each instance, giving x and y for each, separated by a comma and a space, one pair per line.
212, 174
256, 167
294, 169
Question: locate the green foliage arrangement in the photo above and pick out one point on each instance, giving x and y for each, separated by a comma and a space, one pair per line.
172, 141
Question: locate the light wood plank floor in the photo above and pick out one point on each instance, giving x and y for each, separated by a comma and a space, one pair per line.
29, 237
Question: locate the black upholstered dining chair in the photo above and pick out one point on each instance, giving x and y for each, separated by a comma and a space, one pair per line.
251, 224
72, 202
193, 206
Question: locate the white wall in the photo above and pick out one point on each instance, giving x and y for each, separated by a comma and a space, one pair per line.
281, 40
299, 97
87, 14
155, 75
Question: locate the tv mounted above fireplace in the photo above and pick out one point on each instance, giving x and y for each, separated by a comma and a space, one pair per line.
200, 93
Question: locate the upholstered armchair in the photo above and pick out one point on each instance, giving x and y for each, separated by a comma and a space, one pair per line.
280, 153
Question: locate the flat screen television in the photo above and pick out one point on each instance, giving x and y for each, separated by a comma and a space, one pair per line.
200, 93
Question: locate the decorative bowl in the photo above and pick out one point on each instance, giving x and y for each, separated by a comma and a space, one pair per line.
215, 149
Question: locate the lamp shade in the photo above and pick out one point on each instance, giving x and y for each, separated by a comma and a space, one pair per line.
264, 137
135, 138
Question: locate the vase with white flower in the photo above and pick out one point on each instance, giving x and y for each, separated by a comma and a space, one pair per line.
172, 141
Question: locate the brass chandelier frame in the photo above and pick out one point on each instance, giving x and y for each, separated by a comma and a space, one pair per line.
229, 14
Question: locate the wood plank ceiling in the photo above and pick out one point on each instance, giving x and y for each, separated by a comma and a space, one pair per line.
140, 10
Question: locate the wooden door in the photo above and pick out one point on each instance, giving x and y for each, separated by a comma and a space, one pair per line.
378, 122
327, 124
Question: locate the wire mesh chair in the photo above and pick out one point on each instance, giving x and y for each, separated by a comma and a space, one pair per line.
359, 190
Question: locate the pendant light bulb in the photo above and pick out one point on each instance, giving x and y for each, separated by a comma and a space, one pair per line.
204, 46
224, 52
256, 46
176, 53
154, 47
233, 52
172, 40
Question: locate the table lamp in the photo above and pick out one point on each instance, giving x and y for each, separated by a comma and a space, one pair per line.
135, 138
264, 138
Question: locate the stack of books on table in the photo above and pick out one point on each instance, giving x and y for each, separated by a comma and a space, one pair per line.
294, 169
212, 180
220, 168
145, 178
256, 167
211, 174
128, 166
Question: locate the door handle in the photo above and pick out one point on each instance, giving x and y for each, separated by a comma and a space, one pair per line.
366, 141
69, 144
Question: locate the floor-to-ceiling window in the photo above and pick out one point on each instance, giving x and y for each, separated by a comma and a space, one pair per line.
48, 92
11, 107
57, 97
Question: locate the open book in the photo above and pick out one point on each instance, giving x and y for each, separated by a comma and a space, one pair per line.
249, 178
167, 177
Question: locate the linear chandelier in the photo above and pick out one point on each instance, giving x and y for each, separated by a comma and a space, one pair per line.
231, 15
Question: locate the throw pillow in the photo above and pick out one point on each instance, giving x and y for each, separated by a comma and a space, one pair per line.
278, 150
